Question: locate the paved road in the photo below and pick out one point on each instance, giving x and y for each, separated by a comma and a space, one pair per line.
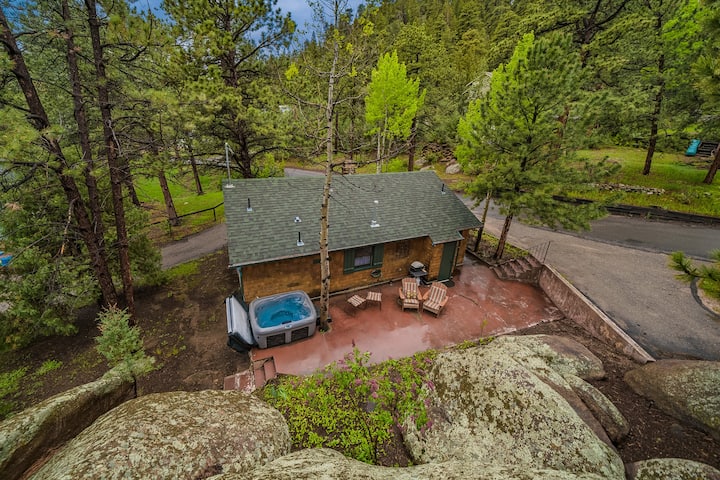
634, 286
631, 282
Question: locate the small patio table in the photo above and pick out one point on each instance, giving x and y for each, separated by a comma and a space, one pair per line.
375, 297
356, 301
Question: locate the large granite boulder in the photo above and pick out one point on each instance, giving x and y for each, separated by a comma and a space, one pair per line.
543, 353
324, 464
30, 434
500, 404
687, 390
674, 468
174, 435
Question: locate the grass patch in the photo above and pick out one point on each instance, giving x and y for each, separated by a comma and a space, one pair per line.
9, 387
352, 407
682, 181
47, 367
186, 200
184, 270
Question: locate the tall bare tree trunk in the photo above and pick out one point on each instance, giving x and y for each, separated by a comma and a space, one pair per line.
114, 165
325, 207
40, 121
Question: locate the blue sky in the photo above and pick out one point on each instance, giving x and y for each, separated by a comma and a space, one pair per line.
299, 9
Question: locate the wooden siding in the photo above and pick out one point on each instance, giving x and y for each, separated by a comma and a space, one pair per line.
303, 273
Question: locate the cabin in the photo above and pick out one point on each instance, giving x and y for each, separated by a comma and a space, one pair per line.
379, 225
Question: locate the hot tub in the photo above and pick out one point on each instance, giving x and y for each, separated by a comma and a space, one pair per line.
282, 318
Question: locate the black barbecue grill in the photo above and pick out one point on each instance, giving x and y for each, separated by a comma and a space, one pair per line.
418, 271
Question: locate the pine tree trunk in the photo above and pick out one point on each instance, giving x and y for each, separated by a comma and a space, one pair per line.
127, 180
713, 167
655, 117
114, 165
39, 120
83, 129
169, 204
196, 175
503, 237
486, 207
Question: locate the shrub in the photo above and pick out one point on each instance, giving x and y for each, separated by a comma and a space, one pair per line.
121, 343
352, 407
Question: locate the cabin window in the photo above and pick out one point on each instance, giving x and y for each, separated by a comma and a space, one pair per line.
362, 258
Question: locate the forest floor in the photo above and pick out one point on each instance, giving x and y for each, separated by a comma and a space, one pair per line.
184, 327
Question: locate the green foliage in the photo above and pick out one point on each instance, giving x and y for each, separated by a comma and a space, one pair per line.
681, 181
41, 293
518, 139
352, 407
9, 385
48, 366
391, 104
121, 343
709, 276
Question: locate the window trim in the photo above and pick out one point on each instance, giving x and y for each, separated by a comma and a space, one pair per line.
376, 258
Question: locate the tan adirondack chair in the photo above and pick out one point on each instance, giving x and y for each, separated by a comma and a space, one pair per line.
435, 298
410, 296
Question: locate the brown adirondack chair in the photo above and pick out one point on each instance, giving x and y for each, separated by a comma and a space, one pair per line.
410, 296
435, 298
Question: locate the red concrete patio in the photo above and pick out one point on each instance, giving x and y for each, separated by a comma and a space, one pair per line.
479, 305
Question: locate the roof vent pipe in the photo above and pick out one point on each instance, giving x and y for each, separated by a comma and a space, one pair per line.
373, 222
443, 189
300, 243
249, 208
297, 219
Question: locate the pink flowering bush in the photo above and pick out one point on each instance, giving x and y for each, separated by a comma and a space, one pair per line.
352, 406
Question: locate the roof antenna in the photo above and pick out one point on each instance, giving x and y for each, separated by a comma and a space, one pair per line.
227, 164
249, 208
300, 243
373, 222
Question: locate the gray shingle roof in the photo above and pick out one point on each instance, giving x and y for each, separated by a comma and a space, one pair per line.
410, 205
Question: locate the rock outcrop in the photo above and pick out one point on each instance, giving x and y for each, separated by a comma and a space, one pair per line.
325, 464
687, 390
499, 404
29, 435
174, 435
674, 468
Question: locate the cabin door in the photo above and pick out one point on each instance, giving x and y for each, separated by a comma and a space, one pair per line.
447, 262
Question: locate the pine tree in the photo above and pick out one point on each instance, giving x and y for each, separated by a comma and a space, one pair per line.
519, 137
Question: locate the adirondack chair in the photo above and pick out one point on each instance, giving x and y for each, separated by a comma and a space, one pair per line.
410, 297
435, 298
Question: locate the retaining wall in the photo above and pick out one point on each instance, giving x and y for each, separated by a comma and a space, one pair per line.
582, 311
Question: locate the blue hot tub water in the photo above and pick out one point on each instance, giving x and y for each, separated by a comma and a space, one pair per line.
281, 311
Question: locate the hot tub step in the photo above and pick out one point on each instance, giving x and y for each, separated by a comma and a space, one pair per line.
264, 370
242, 381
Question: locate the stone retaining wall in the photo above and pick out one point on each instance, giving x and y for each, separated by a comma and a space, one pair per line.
578, 308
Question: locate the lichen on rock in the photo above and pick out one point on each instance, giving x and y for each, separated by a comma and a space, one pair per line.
174, 435
688, 390
325, 464
497, 405
674, 468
